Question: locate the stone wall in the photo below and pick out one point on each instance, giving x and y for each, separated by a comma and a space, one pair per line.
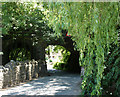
13, 73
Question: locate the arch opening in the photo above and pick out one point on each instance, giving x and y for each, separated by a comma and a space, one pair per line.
16, 49
58, 57
20, 54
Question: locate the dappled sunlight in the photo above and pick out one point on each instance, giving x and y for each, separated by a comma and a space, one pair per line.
60, 83
78, 37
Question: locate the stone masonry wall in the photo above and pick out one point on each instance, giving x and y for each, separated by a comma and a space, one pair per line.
14, 73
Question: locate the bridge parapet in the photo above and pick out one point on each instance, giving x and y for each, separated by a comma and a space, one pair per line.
13, 73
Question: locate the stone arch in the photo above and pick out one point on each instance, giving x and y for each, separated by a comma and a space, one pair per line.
38, 51
73, 60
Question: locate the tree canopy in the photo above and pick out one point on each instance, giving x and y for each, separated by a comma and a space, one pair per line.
25, 18
93, 27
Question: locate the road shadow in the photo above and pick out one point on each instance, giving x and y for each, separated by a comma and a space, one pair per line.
58, 83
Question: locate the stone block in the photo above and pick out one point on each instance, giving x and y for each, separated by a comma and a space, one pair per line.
1, 77
30, 69
16, 72
6, 78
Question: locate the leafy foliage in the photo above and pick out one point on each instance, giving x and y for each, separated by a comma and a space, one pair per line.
91, 25
20, 54
18, 16
25, 19
65, 53
63, 65
111, 79
93, 28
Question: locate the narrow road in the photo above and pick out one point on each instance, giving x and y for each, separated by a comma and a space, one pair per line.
59, 83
